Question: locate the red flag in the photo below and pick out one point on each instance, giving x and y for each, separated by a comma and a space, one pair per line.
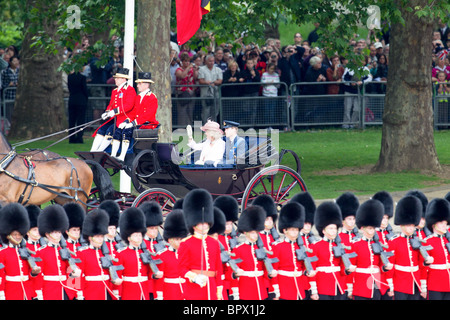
189, 17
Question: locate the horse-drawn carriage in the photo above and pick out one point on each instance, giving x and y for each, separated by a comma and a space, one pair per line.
160, 173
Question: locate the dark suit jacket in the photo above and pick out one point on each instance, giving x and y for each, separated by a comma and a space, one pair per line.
77, 89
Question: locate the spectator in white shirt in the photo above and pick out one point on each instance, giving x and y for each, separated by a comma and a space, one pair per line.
270, 90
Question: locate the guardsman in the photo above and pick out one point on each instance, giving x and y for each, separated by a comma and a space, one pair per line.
229, 239
172, 286
421, 231
16, 274
95, 276
234, 144
290, 269
268, 236
136, 273
34, 239
407, 280
251, 270
437, 219
331, 270
307, 201
367, 281
52, 223
200, 261
119, 110
153, 240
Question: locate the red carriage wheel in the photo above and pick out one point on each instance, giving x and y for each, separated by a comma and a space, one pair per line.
165, 199
279, 182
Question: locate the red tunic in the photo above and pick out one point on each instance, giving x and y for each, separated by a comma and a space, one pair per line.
228, 278
192, 259
439, 270
150, 243
267, 239
15, 277
33, 246
113, 252
171, 285
73, 246
145, 110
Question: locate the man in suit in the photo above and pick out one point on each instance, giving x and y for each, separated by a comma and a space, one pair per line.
78, 100
234, 145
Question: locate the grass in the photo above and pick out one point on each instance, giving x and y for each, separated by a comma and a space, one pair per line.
324, 155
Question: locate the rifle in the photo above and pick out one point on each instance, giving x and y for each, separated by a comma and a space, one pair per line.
261, 255
119, 243
234, 238
416, 244
146, 257
339, 252
390, 233
66, 255
302, 255
356, 234
378, 248
26, 254
107, 262
275, 234
225, 256
447, 245
160, 244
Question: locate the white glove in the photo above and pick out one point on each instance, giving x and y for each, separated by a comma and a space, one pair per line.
2, 295
189, 131
201, 280
111, 114
105, 116
122, 125
128, 125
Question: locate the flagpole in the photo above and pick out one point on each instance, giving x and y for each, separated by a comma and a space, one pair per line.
125, 180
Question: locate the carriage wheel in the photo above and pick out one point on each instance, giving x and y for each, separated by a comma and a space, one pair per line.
290, 158
165, 199
143, 165
279, 182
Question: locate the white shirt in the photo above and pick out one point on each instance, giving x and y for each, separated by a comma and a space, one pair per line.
211, 151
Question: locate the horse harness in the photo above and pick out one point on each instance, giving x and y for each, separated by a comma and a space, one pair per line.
31, 182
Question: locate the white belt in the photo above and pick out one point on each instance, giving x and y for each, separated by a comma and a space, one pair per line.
97, 278
55, 278
16, 278
440, 266
253, 273
406, 269
292, 274
370, 270
329, 269
174, 280
135, 279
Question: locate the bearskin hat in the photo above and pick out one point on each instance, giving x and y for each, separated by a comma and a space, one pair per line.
33, 214
131, 220
437, 210
153, 213
251, 219
370, 214
408, 211
178, 204
292, 215
219, 222
229, 207
198, 208
76, 214
175, 225
307, 201
348, 203
13, 217
266, 202
386, 199
95, 223
447, 196
327, 213
53, 218
113, 210
423, 199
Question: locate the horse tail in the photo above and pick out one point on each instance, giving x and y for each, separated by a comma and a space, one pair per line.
102, 180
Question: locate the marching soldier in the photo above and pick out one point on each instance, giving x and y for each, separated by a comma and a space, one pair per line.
407, 280
52, 223
200, 261
421, 231
34, 239
251, 270
437, 218
330, 267
16, 274
290, 269
96, 282
119, 110
172, 286
367, 281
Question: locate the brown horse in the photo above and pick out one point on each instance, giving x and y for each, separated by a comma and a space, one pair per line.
40, 176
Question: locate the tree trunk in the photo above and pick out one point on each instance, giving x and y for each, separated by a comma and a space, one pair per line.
39, 107
153, 55
407, 136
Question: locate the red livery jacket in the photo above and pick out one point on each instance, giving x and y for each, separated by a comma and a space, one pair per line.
369, 268
208, 262
408, 268
145, 110
290, 270
95, 281
15, 277
439, 270
330, 275
171, 286
251, 284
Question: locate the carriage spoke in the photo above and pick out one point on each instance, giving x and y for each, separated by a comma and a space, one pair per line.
279, 188
289, 188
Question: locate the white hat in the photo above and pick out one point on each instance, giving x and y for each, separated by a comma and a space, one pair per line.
378, 45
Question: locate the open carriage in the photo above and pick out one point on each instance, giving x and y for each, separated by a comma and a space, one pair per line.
159, 172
